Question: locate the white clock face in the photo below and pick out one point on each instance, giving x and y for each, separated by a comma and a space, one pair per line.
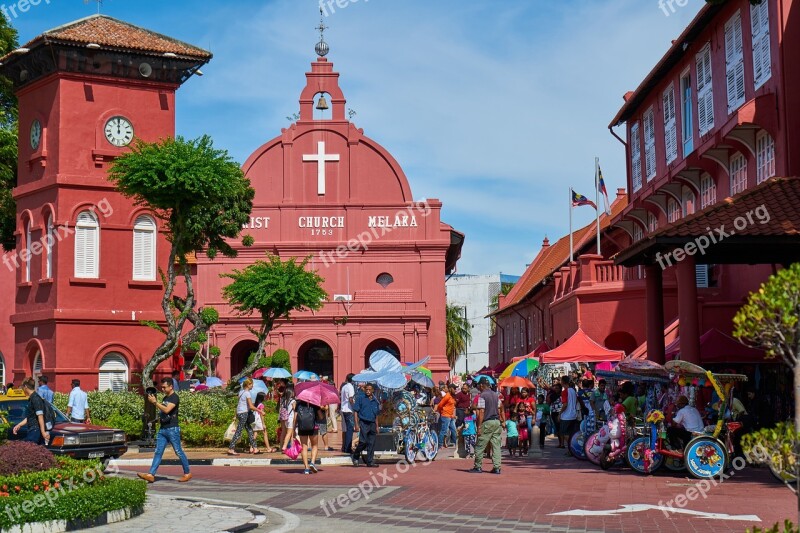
119, 131
36, 134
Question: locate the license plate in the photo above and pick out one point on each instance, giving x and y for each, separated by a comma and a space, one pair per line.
95, 455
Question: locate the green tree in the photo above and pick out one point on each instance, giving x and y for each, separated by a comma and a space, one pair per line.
273, 289
8, 142
203, 198
458, 332
281, 359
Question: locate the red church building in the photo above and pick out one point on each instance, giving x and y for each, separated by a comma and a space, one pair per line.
84, 272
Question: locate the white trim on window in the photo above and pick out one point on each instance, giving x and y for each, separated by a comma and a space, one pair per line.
28, 251
649, 144
144, 249
687, 112
638, 232
738, 173
87, 246
705, 93
652, 222
673, 210
670, 126
765, 156
734, 62
762, 57
636, 157
50, 241
688, 206
708, 191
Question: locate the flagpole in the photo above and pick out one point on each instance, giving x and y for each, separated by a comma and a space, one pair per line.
597, 199
570, 226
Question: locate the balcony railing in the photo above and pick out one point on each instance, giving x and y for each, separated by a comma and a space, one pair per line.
593, 271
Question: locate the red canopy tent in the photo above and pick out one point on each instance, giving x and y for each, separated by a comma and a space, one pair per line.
543, 347
580, 348
717, 347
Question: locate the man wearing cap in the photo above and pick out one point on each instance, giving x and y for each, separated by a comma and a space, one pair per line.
686, 422
490, 427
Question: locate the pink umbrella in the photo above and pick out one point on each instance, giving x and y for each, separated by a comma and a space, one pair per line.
316, 393
260, 372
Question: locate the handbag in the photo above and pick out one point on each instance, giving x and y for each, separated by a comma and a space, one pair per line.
230, 431
251, 417
294, 450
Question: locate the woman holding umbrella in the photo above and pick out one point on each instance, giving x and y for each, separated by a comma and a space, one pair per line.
311, 397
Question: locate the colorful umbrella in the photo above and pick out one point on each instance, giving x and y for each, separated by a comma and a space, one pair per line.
632, 365
479, 377
522, 368
305, 375
317, 393
258, 386
516, 381
277, 373
260, 372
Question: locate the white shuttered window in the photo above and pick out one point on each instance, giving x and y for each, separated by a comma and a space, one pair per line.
738, 172
113, 373
734, 62
636, 158
765, 156
673, 210
670, 127
762, 57
144, 249
705, 93
650, 144
87, 246
708, 191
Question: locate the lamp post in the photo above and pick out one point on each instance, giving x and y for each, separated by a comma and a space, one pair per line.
466, 346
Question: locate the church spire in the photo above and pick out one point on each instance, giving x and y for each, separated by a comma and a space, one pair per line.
322, 47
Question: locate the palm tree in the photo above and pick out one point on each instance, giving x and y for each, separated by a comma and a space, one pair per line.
459, 333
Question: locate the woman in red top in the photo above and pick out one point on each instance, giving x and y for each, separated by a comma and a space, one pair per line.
527, 399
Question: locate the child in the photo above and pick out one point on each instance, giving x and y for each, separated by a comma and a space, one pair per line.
286, 416
542, 418
522, 428
512, 436
469, 432
259, 425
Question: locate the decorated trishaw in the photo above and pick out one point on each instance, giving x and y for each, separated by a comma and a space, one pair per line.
708, 453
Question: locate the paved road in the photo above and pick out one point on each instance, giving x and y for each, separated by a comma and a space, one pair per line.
532, 494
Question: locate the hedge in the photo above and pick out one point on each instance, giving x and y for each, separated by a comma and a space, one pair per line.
76, 490
204, 416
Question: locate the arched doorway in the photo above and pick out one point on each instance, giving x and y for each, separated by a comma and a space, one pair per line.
621, 340
240, 353
316, 356
36, 367
380, 344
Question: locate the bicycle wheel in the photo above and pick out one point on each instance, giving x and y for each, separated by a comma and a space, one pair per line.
705, 457
576, 446
411, 446
430, 446
637, 452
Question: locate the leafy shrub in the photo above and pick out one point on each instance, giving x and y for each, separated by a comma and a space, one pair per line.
5, 426
132, 426
774, 446
104, 405
18, 456
66, 468
788, 527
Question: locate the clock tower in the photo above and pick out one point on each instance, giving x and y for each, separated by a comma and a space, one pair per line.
86, 258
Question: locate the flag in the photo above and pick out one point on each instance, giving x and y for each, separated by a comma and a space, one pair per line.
579, 199
601, 186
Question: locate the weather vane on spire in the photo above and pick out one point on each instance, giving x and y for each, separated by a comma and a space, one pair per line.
322, 47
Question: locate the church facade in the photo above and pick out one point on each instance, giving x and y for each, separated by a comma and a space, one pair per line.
85, 265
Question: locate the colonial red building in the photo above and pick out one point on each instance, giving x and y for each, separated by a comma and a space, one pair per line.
85, 265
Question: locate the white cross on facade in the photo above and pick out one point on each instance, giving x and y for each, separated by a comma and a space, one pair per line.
321, 158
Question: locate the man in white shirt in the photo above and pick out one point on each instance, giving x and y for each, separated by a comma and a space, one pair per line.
686, 422
348, 394
78, 405
569, 414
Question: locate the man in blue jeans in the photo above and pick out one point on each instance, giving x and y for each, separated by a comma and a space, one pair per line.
348, 394
170, 431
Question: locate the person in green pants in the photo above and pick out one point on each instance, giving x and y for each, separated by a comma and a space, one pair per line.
490, 427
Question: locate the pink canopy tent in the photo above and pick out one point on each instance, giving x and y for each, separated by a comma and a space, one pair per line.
717, 347
543, 347
580, 348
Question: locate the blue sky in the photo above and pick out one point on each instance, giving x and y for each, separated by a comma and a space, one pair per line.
496, 107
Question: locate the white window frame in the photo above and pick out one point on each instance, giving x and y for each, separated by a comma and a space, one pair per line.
670, 125
636, 158
734, 62
652, 222
649, 121
115, 365
28, 237
87, 237
638, 232
765, 156
144, 245
38, 365
50, 241
708, 191
705, 91
687, 112
738, 172
674, 210
762, 55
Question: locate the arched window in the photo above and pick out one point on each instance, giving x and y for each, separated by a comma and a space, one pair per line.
37, 366
738, 172
28, 251
673, 210
49, 242
765, 156
708, 191
113, 373
384, 280
144, 249
638, 232
87, 246
688, 201
652, 222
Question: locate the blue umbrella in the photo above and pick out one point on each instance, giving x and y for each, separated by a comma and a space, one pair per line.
258, 386
305, 375
213, 381
277, 373
484, 376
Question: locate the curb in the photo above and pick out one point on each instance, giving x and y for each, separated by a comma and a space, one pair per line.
58, 526
232, 461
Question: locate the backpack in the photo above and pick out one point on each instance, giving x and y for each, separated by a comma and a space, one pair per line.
48, 413
306, 417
